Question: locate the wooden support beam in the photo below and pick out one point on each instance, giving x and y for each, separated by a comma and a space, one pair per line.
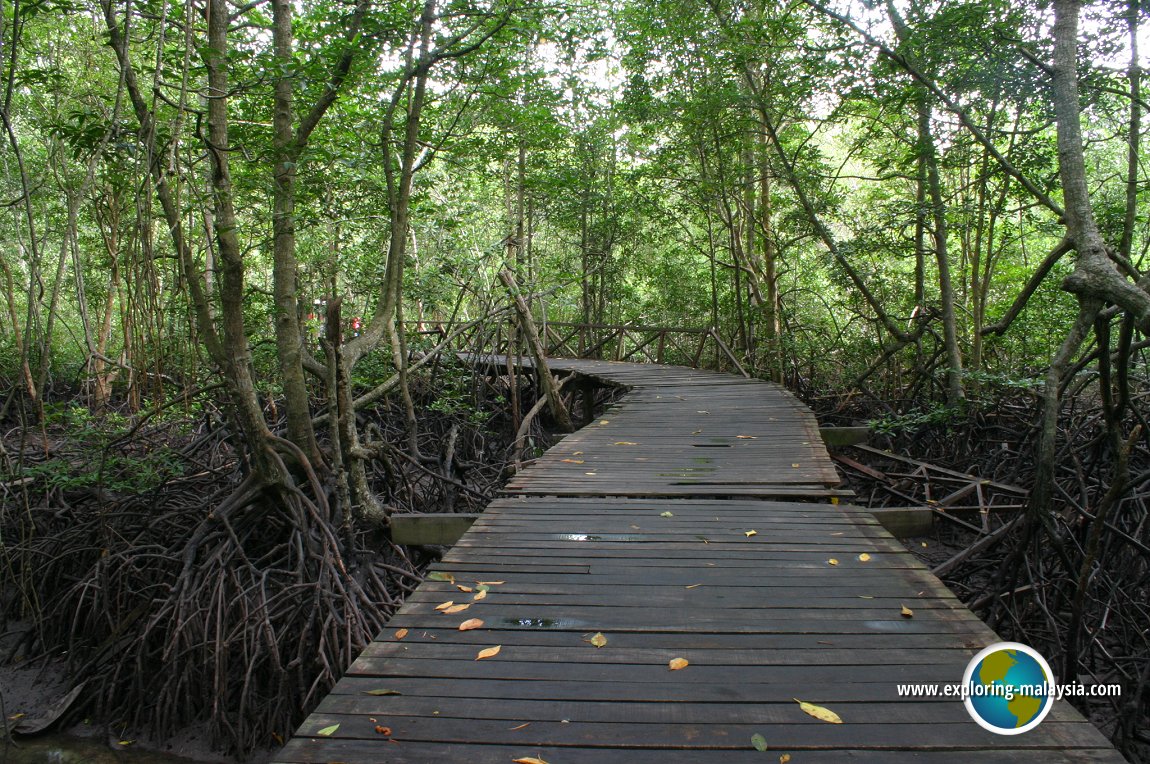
844, 436
902, 522
430, 529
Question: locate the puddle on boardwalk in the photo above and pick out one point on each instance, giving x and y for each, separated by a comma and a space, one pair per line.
541, 623
599, 537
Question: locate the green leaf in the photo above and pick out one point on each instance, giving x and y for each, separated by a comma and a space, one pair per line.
438, 576
759, 742
328, 731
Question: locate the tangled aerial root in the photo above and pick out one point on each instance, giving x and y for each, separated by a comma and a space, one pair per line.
236, 606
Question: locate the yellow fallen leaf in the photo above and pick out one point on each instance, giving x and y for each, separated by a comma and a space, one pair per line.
784, 758
457, 608
748, 534
465, 589
747, 437
837, 534
834, 500
489, 652
866, 596
480, 595
573, 461
528, 760
328, 731
820, 713
400, 633
832, 561
907, 612
598, 640
677, 663
521, 726
864, 557
625, 443
666, 514
694, 586
470, 623
127, 742
490, 583
795, 465
444, 605
576, 453
604, 421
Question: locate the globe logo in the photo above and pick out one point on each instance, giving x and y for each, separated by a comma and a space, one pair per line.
1009, 688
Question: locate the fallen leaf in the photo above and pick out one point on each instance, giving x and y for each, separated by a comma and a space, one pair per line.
694, 586
490, 583
521, 726
437, 576
400, 633
127, 742
907, 612
795, 465
923, 544
747, 437
834, 500
759, 742
489, 652
625, 443
837, 534
528, 760
832, 561
383, 730
598, 640
604, 421
866, 596
748, 534
573, 461
666, 514
864, 557
464, 589
784, 758
820, 713
328, 731
576, 453
700, 411
589, 473
470, 623
678, 663
382, 692
444, 605
480, 595
457, 608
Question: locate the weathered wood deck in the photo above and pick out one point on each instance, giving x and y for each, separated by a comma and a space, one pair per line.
639, 527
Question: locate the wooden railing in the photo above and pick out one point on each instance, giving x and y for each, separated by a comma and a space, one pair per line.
694, 347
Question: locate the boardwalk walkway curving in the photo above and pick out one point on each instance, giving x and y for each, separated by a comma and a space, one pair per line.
694, 520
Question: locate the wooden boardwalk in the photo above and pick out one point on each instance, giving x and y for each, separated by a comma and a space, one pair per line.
670, 526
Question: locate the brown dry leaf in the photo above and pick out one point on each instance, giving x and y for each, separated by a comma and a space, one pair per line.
820, 713
464, 589
521, 726
444, 605
694, 586
457, 608
907, 612
748, 534
678, 663
573, 461
528, 760
470, 623
784, 758
625, 443
576, 453
489, 652
598, 640
832, 561
837, 534
400, 633
864, 557
747, 437
490, 583
795, 465
380, 729
480, 595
